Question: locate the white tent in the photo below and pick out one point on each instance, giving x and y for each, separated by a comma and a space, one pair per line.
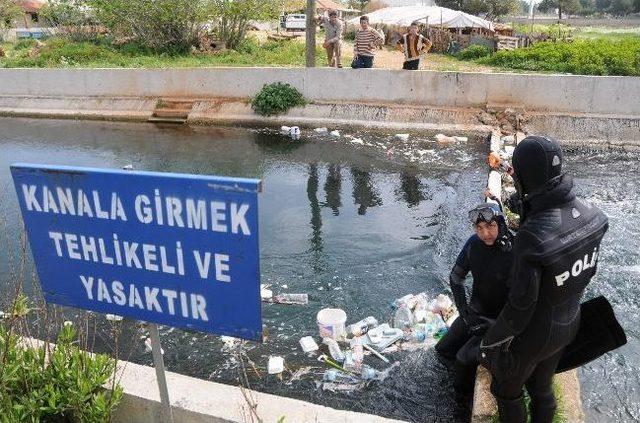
432, 15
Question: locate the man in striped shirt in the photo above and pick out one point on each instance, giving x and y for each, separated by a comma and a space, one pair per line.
413, 44
367, 39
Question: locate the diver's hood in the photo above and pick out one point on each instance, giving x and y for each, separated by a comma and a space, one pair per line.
536, 161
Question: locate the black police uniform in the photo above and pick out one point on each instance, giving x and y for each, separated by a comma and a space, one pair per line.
489, 266
556, 251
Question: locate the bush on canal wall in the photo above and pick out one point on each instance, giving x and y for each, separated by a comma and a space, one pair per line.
276, 98
58, 383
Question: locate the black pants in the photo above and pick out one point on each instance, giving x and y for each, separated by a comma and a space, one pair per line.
411, 64
457, 344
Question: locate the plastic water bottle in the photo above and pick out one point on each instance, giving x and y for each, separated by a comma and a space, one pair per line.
361, 327
369, 373
403, 318
334, 349
357, 351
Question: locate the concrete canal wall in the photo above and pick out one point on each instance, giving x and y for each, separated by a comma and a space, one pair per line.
200, 401
574, 108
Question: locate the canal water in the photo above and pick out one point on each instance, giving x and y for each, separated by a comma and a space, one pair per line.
354, 223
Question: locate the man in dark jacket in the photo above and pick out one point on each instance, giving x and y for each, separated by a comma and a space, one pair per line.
487, 255
555, 257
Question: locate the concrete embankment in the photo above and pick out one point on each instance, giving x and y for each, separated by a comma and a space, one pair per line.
578, 109
200, 401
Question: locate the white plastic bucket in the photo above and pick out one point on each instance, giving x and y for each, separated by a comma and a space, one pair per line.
331, 323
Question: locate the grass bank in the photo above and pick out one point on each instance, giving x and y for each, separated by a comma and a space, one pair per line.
59, 52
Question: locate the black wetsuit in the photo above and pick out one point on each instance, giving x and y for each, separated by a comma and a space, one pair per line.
490, 267
556, 252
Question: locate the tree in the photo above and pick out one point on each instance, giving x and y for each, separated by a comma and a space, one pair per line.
231, 17
358, 4
71, 18
9, 10
621, 7
563, 6
489, 8
161, 25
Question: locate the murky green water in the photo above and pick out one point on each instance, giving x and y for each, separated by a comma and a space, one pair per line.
352, 226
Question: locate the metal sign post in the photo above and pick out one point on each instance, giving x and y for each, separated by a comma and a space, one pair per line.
158, 361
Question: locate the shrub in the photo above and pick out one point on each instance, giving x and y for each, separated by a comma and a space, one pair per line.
583, 57
276, 98
474, 52
62, 386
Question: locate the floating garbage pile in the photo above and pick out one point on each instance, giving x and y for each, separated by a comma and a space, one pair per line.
401, 145
354, 355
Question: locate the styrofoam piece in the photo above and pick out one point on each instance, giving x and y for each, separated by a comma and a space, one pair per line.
335, 133
321, 130
402, 137
276, 365
113, 317
308, 344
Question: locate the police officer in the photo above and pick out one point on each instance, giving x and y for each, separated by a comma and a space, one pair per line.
487, 255
555, 257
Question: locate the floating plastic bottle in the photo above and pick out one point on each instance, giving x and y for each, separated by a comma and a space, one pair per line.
334, 349
299, 299
361, 327
369, 373
357, 351
403, 318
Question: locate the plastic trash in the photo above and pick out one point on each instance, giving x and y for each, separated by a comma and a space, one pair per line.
461, 139
341, 387
369, 373
335, 133
113, 317
285, 129
403, 318
266, 294
402, 301
443, 139
362, 327
276, 365
321, 130
298, 299
127, 167
308, 344
334, 349
294, 133
357, 352
357, 141
374, 352
383, 336
443, 303
335, 375
402, 137
331, 323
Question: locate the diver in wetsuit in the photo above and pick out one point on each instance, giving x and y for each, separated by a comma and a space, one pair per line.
555, 257
487, 255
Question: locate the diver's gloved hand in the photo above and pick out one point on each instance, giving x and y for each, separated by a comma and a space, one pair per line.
481, 325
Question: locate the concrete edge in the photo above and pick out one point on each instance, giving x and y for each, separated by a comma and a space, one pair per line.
199, 401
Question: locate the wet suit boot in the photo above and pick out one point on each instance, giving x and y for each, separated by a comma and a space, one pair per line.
512, 411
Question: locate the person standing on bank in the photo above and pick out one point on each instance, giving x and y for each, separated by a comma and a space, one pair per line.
487, 255
413, 45
555, 256
333, 39
367, 39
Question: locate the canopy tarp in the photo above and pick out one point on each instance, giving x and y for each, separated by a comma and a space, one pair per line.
433, 15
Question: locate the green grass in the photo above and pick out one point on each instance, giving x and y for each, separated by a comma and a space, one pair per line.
581, 57
557, 418
62, 53
584, 32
